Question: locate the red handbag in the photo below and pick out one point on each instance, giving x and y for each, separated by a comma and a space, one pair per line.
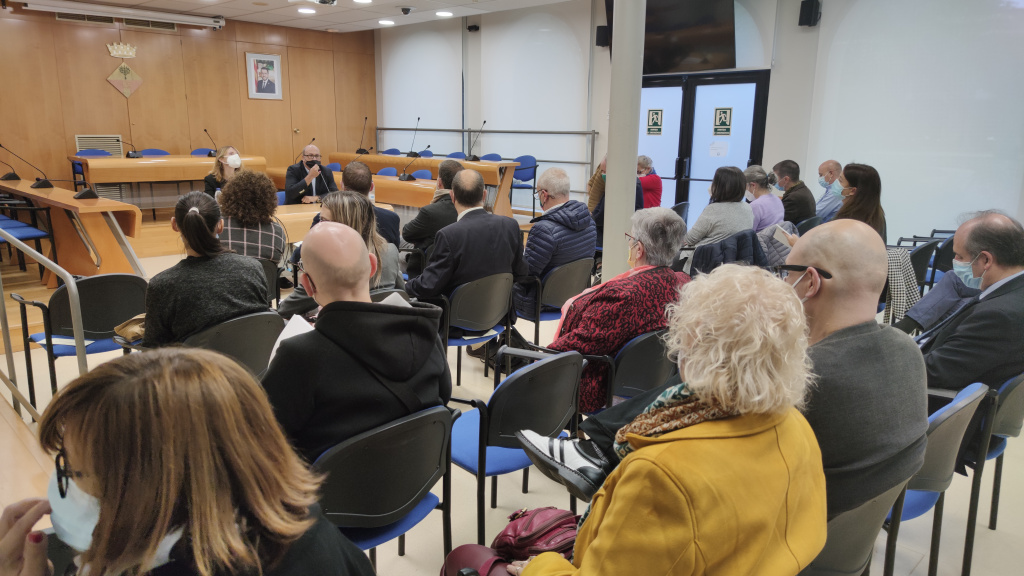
484, 560
533, 532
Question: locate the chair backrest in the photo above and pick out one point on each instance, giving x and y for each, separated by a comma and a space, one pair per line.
944, 256
154, 152
389, 171
201, 151
107, 300
683, 209
271, 272
527, 169
641, 365
426, 154
946, 428
565, 281
491, 157
851, 537
806, 225
377, 477
380, 295
392, 152
92, 152
334, 166
457, 155
281, 198
247, 339
423, 175
541, 397
1010, 409
920, 256
480, 304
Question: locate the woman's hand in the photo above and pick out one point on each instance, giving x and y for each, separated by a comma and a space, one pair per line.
516, 568
791, 238
22, 551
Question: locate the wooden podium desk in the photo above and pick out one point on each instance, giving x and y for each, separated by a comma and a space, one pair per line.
113, 170
388, 189
297, 218
89, 234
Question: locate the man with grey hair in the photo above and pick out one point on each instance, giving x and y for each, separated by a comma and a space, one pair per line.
832, 199
306, 181
650, 182
564, 233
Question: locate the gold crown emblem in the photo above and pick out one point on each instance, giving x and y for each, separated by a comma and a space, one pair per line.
119, 50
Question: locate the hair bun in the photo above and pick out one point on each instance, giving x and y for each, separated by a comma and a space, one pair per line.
771, 179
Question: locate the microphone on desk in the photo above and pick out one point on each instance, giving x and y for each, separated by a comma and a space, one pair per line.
296, 159
360, 150
212, 153
134, 152
361, 154
43, 182
86, 193
473, 157
412, 149
407, 177
12, 175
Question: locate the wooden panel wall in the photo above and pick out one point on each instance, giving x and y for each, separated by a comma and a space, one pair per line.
56, 87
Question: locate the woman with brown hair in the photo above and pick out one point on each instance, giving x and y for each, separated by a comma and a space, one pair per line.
248, 203
171, 463
224, 166
726, 214
862, 197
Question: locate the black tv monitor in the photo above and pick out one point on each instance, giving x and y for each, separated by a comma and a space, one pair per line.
686, 35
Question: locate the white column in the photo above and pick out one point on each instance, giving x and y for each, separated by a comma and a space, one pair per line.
623, 130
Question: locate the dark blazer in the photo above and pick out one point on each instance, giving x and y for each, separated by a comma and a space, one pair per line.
387, 225
212, 184
479, 245
983, 342
798, 203
295, 183
270, 88
420, 231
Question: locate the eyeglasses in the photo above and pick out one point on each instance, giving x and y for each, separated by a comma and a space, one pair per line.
784, 270
312, 156
301, 267
64, 473
631, 239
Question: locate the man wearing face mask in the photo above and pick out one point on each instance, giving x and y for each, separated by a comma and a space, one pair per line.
796, 198
306, 181
832, 199
868, 408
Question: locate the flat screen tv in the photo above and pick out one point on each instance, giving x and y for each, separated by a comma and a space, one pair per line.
686, 35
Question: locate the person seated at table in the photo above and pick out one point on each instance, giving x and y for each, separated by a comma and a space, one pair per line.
357, 177
211, 285
649, 181
248, 203
726, 214
225, 165
171, 463
306, 181
765, 205
593, 322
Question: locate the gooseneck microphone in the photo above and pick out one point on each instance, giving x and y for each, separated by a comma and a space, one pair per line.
407, 177
472, 144
86, 193
360, 150
213, 153
133, 153
40, 182
303, 148
412, 149
361, 154
12, 175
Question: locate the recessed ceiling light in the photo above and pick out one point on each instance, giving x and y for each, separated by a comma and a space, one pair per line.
307, 11
331, 30
386, 22
444, 14
363, 1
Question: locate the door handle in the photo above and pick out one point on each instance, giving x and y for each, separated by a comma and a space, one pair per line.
296, 130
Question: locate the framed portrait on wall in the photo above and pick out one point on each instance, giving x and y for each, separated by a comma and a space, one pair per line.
263, 72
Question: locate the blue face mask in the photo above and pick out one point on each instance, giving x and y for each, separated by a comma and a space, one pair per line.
779, 187
966, 273
822, 183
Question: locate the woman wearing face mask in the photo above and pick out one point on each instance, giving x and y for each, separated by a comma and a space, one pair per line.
224, 166
248, 203
649, 181
861, 189
766, 206
727, 213
171, 463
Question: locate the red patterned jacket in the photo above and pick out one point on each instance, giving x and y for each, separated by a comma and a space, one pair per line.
603, 319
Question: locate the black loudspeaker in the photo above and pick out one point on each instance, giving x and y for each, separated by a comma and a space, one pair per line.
86, 194
810, 12
601, 38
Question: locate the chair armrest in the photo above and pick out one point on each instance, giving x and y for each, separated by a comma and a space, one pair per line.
22, 302
942, 393
542, 349
475, 403
124, 343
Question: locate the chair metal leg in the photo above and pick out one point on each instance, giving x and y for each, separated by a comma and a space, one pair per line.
480, 482
572, 504
494, 491
526, 480
28, 373
933, 551
894, 531
485, 359
458, 366
979, 468
446, 504
401, 545
52, 360
996, 482
373, 559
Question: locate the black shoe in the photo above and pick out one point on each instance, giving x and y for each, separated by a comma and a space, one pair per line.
284, 283
478, 352
576, 464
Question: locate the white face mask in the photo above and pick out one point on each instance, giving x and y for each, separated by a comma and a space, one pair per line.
74, 516
749, 196
235, 161
795, 284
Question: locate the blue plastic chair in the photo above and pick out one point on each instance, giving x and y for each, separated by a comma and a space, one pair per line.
541, 397
426, 154
76, 167
1008, 421
378, 483
389, 171
941, 262
202, 151
280, 197
423, 175
392, 152
457, 155
334, 166
557, 286
491, 157
526, 172
154, 152
477, 306
29, 231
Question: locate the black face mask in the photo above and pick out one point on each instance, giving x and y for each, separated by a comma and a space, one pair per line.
311, 163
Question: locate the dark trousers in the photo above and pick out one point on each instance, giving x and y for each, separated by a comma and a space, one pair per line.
601, 428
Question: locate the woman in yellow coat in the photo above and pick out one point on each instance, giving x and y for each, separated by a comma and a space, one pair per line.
721, 475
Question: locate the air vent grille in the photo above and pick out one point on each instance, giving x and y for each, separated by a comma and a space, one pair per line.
84, 18
153, 25
110, 143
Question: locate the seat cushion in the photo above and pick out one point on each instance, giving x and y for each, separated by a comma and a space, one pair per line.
917, 503
65, 346
466, 442
490, 335
366, 538
26, 233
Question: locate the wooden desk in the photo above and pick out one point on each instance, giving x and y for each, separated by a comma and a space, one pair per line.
89, 234
387, 189
112, 170
27, 469
495, 173
297, 218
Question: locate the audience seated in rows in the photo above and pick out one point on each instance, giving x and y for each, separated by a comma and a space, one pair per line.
650, 182
766, 206
726, 214
422, 229
603, 318
225, 165
306, 181
861, 189
365, 364
209, 286
721, 474
248, 203
868, 405
796, 198
170, 463
595, 198
357, 177
564, 233
830, 201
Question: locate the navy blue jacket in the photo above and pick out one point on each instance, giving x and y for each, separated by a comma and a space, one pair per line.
740, 247
565, 234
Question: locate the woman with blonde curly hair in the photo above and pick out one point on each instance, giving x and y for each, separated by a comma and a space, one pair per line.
248, 203
171, 463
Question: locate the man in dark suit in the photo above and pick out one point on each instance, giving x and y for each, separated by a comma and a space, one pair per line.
478, 244
797, 200
306, 181
264, 85
333, 383
357, 177
984, 340
439, 213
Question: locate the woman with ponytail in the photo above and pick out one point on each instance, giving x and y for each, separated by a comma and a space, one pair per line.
209, 286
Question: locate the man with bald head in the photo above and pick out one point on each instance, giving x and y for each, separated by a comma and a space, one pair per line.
333, 383
868, 407
306, 181
832, 199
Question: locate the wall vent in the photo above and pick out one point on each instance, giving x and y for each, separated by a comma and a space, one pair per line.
110, 143
84, 18
150, 24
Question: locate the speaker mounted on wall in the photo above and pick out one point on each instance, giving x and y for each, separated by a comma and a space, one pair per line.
601, 38
810, 12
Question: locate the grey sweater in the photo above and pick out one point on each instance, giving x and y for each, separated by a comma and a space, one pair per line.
197, 293
869, 411
719, 221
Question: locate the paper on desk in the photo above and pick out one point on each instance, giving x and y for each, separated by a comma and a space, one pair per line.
297, 325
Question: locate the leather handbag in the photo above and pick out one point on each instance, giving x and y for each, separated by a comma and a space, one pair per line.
473, 557
533, 532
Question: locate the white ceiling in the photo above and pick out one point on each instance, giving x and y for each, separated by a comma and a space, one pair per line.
346, 16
